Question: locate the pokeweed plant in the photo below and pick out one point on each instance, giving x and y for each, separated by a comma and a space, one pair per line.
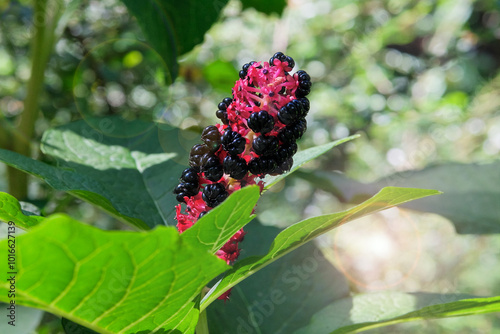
156, 279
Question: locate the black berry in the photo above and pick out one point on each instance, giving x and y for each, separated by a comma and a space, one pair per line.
258, 166
212, 168
235, 167
261, 122
214, 194
290, 112
233, 142
190, 175
265, 145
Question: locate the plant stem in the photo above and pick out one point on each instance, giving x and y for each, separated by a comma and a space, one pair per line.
202, 326
42, 44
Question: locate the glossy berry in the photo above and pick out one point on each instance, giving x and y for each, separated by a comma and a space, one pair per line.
186, 189
290, 112
197, 152
211, 138
291, 62
244, 69
260, 122
235, 167
212, 168
299, 128
190, 175
258, 166
202, 214
285, 152
214, 194
227, 101
265, 145
284, 167
278, 55
233, 142
222, 115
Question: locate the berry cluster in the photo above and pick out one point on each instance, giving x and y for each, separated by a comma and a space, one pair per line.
260, 126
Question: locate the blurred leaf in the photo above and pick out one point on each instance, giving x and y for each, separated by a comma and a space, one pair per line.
367, 311
221, 75
281, 297
266, 7
214, 229
10, 210
470, 192
132, 178
113, 281
305, 156
175, 27
306, 230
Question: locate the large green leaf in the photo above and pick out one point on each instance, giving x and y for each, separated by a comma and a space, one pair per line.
281, 297
175, 27
10, 210
367, 311
470, 192
214, 229
304, 157
304, 231
110, 282
130, 177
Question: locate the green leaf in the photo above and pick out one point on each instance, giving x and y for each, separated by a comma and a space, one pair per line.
111, 281
305, 156
10, 210
131, 177
266, 7
470, 192
367, 311
281, 297
306, 230
175, 27
220, 75
214, 229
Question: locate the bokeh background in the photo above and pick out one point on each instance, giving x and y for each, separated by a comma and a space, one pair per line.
418, 80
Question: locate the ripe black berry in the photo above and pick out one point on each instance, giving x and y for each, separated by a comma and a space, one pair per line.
285, 152
291, 62
265, 145
222, 115
233, 142
212, 168
202, 214
227, 101
299, 128
290, 112
261, 122
190, 175
211, 138
214, 194
197, 152
258, 166
278, 55
244, 69
303, 76
186, 189
235, 167
284, 167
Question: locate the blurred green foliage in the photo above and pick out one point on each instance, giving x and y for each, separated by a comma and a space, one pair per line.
419, 80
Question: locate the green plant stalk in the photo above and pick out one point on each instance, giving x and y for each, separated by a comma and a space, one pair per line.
202, 326
42, 45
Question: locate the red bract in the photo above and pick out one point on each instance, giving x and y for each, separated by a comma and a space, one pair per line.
260, 125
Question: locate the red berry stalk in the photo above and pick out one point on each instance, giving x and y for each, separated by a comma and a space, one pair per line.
258, 134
